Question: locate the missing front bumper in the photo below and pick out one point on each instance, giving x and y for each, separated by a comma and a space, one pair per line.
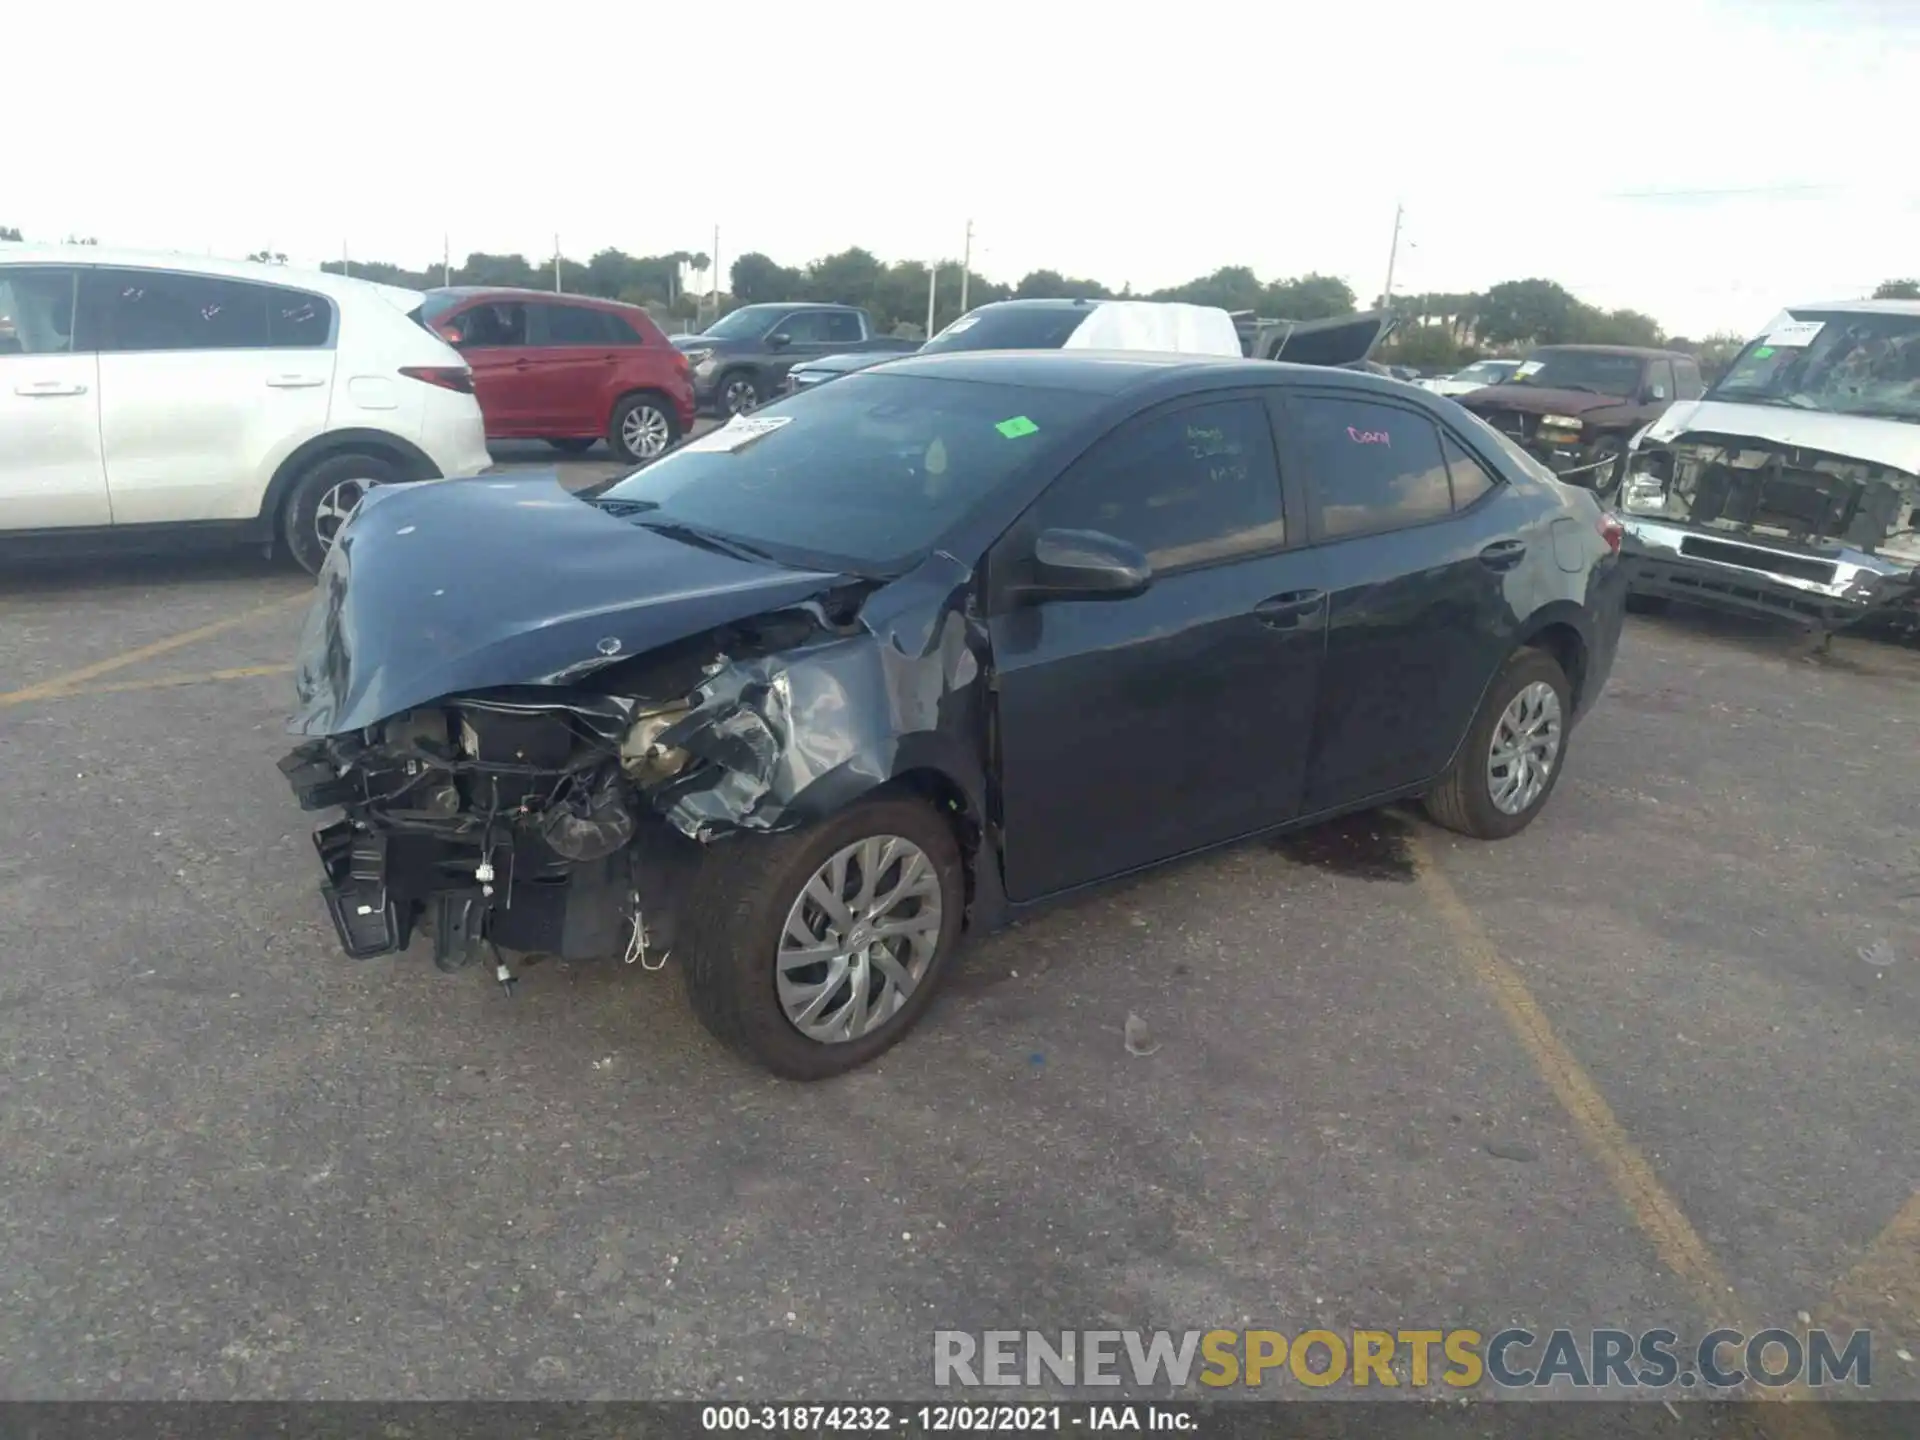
1828, 590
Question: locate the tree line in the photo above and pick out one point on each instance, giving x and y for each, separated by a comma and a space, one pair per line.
1438, 330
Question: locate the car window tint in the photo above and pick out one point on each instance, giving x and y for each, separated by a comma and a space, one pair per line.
806, 327
1187, 486
1687, 384
36, 310
842, 325
576, 325
298, 321
165, 310
491, 324
1375, 467
622, 329
1660, 380
1470, 477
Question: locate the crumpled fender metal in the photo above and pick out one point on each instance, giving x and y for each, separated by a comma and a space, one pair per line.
784, 739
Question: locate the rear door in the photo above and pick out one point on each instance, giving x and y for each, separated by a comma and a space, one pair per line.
1418, 568
1131, 730
51, 472
206, 385
576, 356
491, 336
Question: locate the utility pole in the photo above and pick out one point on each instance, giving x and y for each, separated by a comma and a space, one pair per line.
346, 260
556, 264
966, 264
446, 259
1386, 295
716, 272
933, 281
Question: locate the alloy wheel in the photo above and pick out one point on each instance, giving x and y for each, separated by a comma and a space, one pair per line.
645, 431
740, 397
858, 939
1526, 745
336, 507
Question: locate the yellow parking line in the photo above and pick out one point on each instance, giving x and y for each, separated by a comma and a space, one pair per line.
169, 682
1654, 1209
1887, 1279
60, 684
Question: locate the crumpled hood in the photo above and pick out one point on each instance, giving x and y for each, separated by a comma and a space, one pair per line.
445, 587
1540, 400
1893, 443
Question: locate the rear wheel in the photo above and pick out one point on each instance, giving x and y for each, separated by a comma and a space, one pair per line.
812, 953
572, 445
1512, 756
642, 427
324, 499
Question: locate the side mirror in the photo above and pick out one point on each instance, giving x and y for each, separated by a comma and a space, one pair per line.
1084, 565
1655, 393
779, 340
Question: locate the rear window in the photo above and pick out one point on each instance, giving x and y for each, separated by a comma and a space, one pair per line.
1010, 327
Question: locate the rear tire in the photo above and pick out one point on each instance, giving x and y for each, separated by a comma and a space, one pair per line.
324, 498
735, 914
1466, 799
643, 427
572, 445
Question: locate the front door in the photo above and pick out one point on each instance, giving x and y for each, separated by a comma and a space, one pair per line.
1131, 730
1420, 554
51, 472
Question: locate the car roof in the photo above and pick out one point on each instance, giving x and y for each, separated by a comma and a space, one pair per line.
320, 281
1051, 302
1120, 372
1643, 352
1864, 307
468, 292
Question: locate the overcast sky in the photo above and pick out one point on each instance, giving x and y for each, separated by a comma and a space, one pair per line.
1704, 160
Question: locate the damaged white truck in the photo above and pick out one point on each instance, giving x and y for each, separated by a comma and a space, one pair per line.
1792, 488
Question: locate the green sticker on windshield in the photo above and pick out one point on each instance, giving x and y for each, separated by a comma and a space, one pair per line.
1763, 352
1016, 427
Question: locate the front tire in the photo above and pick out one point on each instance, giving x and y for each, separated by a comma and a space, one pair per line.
1513, 754
812, 953
737, 394
642, 427
324, 499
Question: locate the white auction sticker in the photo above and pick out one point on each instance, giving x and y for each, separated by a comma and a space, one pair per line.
738, 433
1795, 333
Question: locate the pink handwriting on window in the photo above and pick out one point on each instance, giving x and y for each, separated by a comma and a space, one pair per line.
1369, 437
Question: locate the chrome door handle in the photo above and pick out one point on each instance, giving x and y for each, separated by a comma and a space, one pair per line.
34, 389
295, 382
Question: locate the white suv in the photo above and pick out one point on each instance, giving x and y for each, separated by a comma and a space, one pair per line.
167, 398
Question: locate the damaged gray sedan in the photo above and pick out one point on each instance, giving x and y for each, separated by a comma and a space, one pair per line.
1793, 487
913, 653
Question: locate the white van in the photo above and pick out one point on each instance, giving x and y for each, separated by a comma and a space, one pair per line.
161, 399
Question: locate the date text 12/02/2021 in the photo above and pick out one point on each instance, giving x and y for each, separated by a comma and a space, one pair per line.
946, 1419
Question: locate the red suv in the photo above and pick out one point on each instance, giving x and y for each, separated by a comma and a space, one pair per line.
567, 369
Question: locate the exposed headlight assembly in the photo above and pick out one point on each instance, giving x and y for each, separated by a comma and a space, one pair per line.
1560, 422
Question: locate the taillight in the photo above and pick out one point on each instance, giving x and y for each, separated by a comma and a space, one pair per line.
681, 363
1611, 530
447, 377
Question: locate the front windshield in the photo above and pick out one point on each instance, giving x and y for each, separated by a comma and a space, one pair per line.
862, 475
1849, 364
1010, 327
747, 323
1488, 372
1594, 370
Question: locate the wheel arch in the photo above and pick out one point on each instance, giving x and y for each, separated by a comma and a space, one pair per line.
1560, 630
412, 461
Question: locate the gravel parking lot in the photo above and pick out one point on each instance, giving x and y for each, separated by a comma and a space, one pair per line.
1650, 1063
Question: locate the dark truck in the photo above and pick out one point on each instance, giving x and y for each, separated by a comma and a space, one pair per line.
741, 359
1576, 407
1048, 324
